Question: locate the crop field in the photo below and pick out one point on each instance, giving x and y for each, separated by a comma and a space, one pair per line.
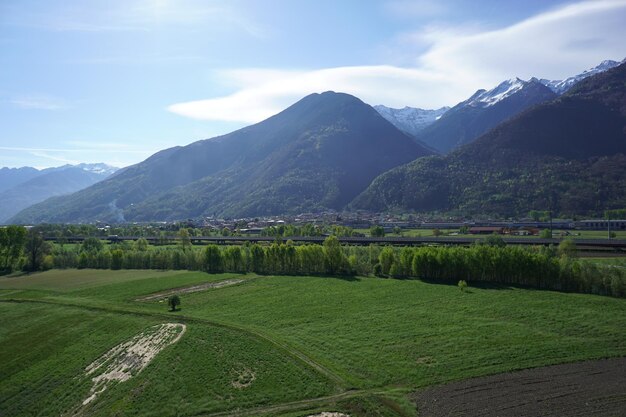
274, 345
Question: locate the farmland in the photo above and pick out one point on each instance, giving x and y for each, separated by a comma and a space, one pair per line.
281, 345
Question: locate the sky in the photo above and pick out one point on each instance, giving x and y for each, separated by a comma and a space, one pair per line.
117, 80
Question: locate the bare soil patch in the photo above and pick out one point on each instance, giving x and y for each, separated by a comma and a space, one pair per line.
244, 378
187, 290
129, 358
592, 388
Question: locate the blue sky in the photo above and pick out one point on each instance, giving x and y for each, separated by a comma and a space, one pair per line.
117, 80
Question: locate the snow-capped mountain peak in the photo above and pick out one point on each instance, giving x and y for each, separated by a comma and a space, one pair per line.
561, 86
483, 98
410, 119
98, 168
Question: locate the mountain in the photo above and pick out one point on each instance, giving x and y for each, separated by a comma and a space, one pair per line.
318, 154
561, 86
410, 119
482, 112
10, 177
568, 154
48, 183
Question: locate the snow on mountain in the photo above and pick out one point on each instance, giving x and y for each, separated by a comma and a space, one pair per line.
561, 86
483, 98
99, 168
410, 119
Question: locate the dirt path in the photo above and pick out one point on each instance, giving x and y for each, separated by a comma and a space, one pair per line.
592, 388
187, 290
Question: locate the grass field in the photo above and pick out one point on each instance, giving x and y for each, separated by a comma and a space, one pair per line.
299, 344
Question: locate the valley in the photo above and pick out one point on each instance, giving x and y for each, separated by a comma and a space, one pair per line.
390, 208
357, 346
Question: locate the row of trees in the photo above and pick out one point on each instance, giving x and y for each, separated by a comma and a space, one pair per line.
21, 249
491, 262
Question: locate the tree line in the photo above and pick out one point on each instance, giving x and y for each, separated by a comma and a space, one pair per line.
489, 262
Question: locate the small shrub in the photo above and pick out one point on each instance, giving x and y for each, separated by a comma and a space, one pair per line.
462, 285
545, 234
173, 301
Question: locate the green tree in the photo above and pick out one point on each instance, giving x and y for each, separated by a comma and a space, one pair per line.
386, 259
12, 240
494, 240
233, 259
334, 257
545, 234
141, 245
212, 260
257, 255
92, 245
185, 240
117, 258
173, 301
377, 231
567, 248
36, 249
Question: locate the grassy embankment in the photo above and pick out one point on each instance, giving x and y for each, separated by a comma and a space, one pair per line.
355, 345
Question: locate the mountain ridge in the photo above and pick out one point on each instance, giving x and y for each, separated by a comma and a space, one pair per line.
483, 111
50, 182
568, 154
317, 154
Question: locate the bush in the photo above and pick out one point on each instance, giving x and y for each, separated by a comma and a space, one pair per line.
173, 301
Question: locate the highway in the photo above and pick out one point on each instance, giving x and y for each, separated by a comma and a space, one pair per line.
399, 241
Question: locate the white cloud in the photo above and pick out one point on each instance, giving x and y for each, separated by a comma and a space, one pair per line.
39, 103
114, 154
274, 90
132, 16
554, 44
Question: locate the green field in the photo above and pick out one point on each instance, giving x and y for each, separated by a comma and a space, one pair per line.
300, 344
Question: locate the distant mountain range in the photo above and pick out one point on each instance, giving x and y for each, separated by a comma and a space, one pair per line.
10, 177
318, 154
23, 187
516, 147
448, 128
567, 155
482, 112
410, 119
561, 86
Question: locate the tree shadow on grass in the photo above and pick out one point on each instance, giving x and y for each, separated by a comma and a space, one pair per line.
476, 285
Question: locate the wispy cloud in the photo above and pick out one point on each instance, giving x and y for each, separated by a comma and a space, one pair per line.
55, 158
273, 90
38, 102
112, 153
554, 44
91, 147
132, 16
